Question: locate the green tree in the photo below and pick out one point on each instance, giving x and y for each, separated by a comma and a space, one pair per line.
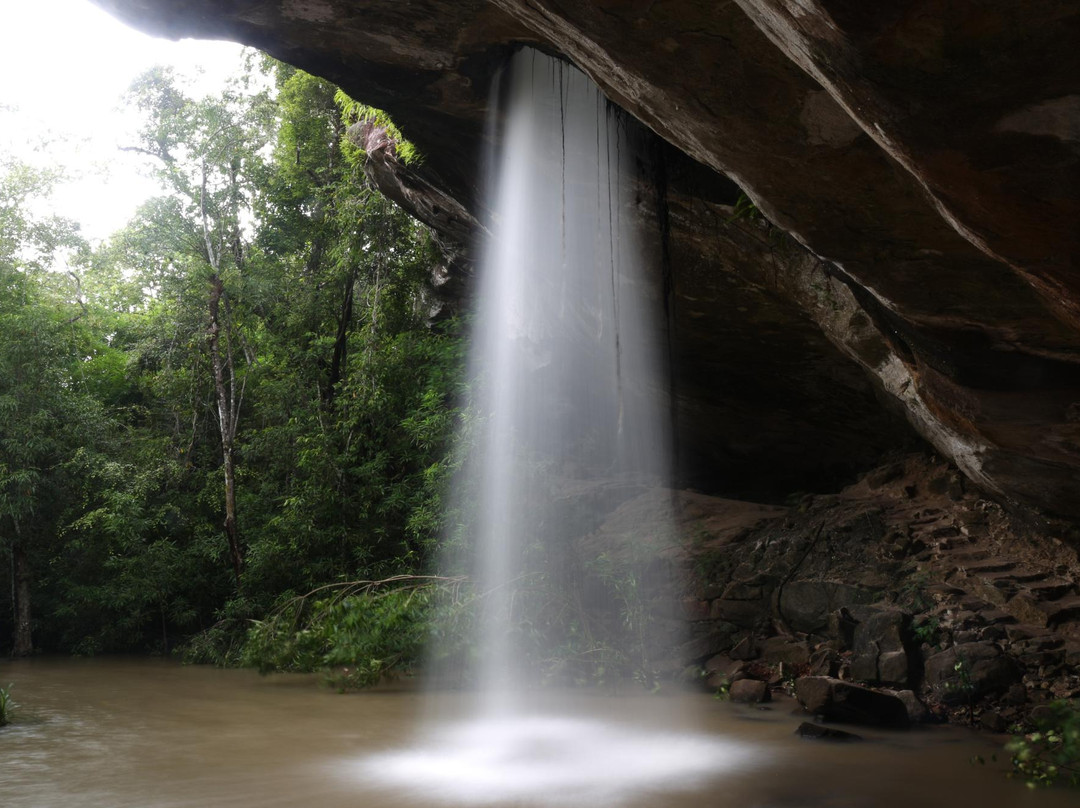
366, 458
208, 154
45, 414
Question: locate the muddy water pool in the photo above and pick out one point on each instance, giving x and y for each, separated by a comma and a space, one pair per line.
136, 733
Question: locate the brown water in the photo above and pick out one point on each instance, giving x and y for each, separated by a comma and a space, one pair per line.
152, 734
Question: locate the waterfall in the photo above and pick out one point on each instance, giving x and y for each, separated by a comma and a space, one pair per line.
570, 388
570, 442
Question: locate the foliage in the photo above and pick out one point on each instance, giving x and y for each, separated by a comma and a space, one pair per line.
353, 111
49, 361
1050, 755
926, 629
221, 645
6, 705
744, 209
623, 583
356, 633
723, 690
341, 395
963, 685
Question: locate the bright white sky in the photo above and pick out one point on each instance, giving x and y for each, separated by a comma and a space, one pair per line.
65, 65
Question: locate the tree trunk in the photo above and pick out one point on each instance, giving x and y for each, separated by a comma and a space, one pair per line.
341, 342
226, 422
230, 512
24, 645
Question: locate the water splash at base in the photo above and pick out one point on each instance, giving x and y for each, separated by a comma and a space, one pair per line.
552, 760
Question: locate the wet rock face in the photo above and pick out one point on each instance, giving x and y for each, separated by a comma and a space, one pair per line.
923, 162
906, 204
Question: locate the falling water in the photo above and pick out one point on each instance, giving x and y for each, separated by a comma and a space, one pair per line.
571, 427
565, 350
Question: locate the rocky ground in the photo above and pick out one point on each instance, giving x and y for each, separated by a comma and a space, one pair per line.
908, 582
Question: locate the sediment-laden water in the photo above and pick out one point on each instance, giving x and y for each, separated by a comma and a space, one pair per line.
119, 733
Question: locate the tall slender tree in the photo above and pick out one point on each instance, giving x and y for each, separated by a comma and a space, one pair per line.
207, 153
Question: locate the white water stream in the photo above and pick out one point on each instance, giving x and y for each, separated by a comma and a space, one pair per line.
566, 347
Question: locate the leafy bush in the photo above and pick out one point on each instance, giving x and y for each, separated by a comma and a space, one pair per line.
357, 633
927, 629
1051, 754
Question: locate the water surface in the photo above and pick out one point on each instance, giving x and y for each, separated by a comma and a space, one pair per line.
120, 733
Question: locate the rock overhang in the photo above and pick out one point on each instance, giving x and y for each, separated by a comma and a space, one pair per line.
917, 185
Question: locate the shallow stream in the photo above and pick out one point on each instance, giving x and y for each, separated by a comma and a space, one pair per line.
127, 733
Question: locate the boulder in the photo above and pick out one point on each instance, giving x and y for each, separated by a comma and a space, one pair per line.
715, 681
1016, 695
881, 642
749, 691
705, 640
718, 663
916, 710
1072, 654
824, 661
970, 671
739, 670
836, 700
743, 613
841, 627
742, 590
881, 629
694, 609
720, 671
894, 668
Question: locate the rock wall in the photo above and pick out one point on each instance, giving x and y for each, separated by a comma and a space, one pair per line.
917, 170
892, 582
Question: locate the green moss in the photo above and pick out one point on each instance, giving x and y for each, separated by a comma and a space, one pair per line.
354, 111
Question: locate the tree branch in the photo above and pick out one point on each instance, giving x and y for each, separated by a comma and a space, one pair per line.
78, 299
